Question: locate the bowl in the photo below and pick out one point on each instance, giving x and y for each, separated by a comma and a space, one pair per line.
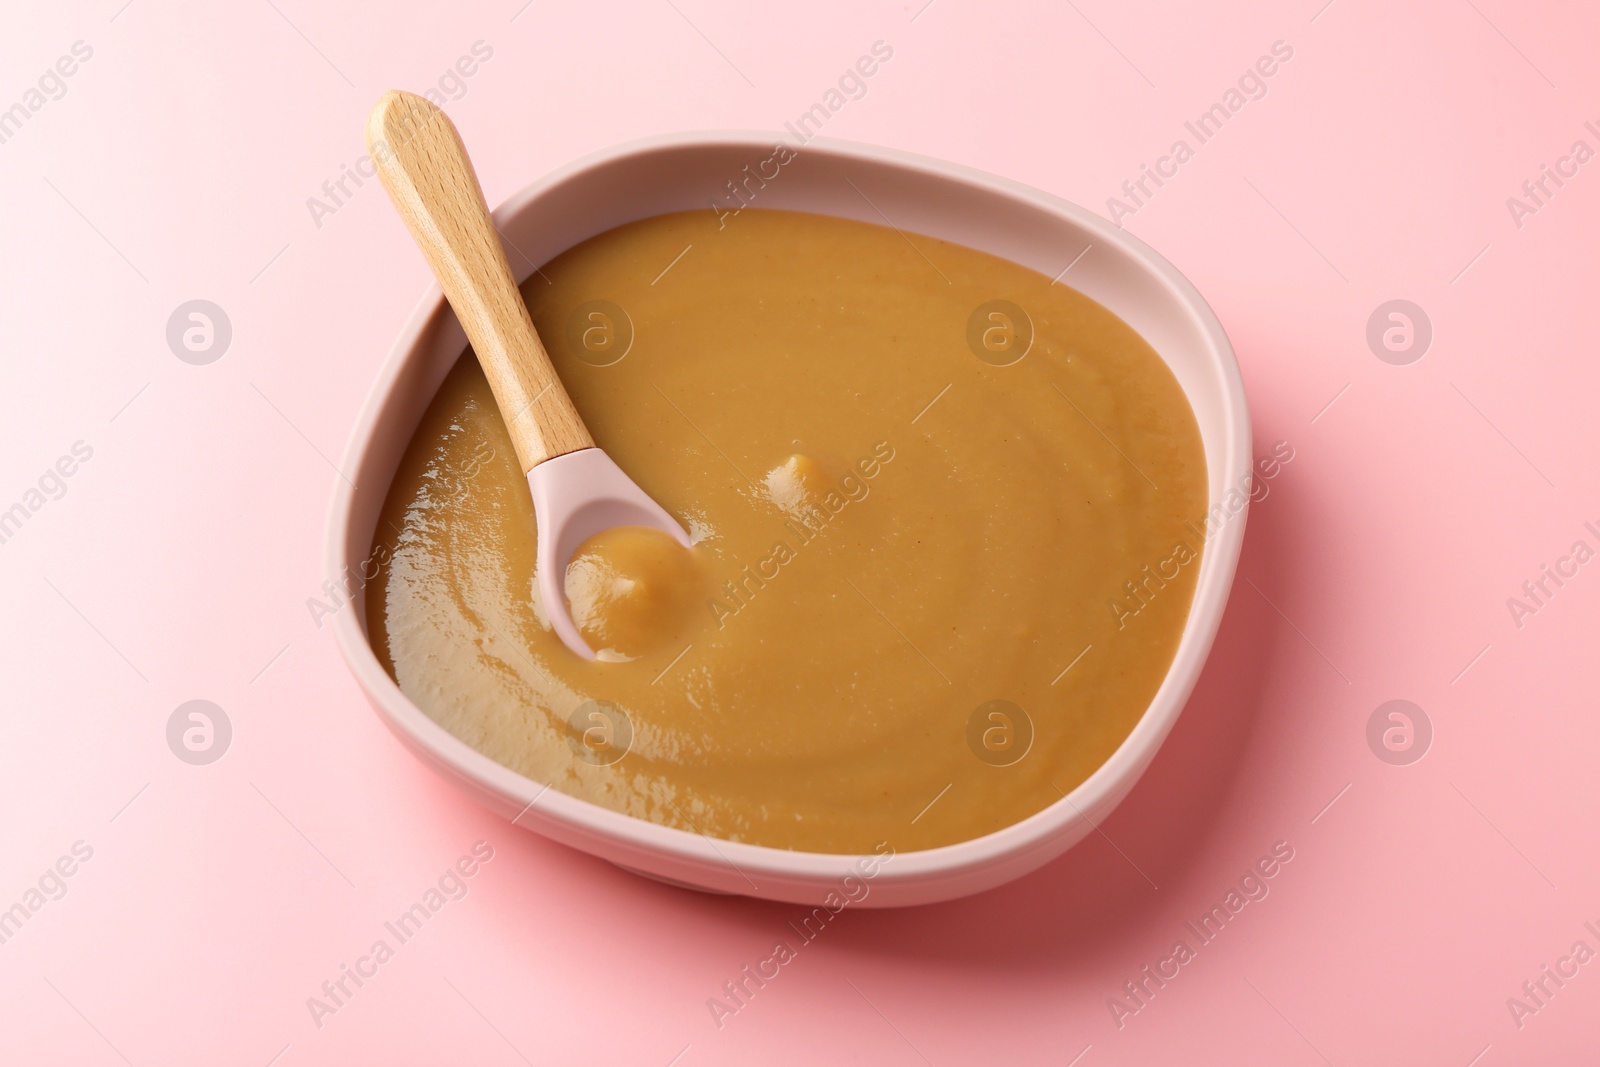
869, 184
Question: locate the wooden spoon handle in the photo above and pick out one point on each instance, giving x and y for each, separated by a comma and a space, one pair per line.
420, 158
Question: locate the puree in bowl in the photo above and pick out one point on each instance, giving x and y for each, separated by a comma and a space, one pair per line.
942, 552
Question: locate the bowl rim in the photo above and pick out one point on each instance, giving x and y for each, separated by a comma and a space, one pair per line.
585, 823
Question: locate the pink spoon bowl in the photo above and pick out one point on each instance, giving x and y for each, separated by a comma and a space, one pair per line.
691, 171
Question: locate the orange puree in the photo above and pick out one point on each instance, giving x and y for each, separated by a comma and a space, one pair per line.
941, 559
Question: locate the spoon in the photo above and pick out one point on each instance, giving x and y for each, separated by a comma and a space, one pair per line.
578, 491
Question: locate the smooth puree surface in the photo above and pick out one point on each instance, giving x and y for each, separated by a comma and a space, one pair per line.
943, 555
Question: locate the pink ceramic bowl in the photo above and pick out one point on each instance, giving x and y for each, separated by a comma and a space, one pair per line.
920, 196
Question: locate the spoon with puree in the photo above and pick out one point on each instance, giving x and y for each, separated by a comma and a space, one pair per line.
578, 492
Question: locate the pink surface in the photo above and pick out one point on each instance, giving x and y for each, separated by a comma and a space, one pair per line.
177, 561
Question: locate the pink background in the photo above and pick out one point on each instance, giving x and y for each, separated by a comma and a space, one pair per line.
179, 562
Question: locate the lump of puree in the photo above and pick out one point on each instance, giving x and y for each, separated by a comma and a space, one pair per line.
633, 589
943, 552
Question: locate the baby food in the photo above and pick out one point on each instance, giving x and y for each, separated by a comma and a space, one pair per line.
942, 552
